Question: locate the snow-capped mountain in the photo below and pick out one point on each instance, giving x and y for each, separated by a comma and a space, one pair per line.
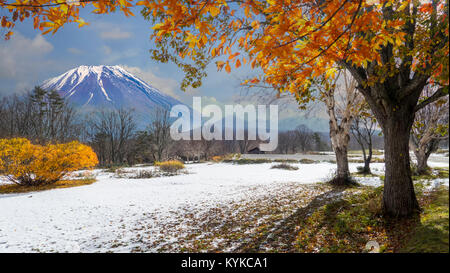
109, 87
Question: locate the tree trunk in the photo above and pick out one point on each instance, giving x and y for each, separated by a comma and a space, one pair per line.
422, 151
366, 169
399, 198
342, 174
367, 160
422, 159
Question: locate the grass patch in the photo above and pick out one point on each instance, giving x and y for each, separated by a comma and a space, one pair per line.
350, 160
143, 174
307, 161
359, 152
14, 188
377, 160
171, 166
431, 235
346, 225
244, 161
225, 158
362, 170
286, 161
432, 174
285, 166
374, 160
438, 172
441, 151
115, 168
358, 174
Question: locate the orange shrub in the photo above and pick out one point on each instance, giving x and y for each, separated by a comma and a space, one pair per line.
217, 158
170, 166
28, 164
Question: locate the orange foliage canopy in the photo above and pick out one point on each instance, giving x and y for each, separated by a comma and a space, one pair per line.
291, 41
50, 15
28, 164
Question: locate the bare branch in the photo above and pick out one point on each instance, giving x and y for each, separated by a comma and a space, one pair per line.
437, 95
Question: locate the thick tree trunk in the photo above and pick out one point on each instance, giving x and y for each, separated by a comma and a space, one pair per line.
399, 199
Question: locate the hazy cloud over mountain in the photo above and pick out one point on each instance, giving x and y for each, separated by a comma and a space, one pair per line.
22, 59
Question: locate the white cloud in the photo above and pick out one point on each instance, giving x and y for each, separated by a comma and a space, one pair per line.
20, 52
166, 85
112, 57
115, 34
22, 60
192, 91
211, 100
111, 31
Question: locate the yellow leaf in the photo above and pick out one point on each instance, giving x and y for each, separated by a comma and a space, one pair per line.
220, 65
227, 67
214, 11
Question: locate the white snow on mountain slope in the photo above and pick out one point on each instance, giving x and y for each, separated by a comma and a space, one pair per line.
108, 87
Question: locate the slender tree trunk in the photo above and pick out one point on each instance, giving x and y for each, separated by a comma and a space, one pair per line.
423, 152
422, 159
399, 198
367, 166
367, 160
113, 152
340, 138
342, 174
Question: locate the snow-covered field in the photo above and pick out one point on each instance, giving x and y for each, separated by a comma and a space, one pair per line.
121, 215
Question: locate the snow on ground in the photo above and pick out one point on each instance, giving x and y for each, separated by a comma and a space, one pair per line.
113, 213
434, 164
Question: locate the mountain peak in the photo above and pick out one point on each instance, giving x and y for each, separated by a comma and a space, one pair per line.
98, 69
104, 86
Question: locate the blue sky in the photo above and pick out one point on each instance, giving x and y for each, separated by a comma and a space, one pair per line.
114, 39
29, 58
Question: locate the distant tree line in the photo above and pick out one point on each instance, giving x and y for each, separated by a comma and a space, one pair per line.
44, 117
300, 140
40, 116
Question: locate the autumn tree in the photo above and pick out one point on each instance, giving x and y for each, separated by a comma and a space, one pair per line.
341, 100
30, 164
393, 49
429, 128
